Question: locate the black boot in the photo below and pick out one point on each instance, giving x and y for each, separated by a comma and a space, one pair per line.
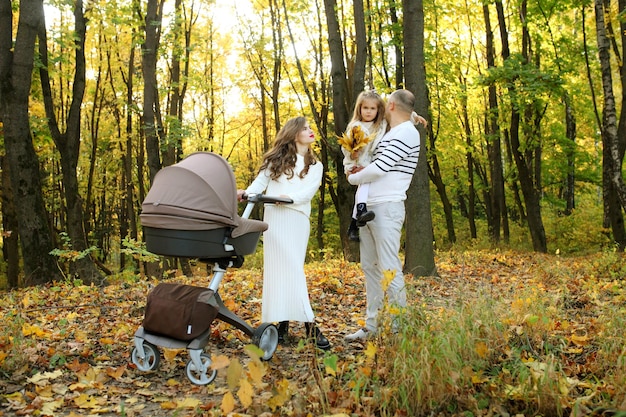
283, 331
363, 215
314, 333
353, 231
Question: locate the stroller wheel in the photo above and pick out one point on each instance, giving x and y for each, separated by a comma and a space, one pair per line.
149, 361
266, 338
200, 376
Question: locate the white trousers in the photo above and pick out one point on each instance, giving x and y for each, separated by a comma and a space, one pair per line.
380, 247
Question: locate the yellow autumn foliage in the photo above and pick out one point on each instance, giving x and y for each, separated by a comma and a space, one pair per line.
354, 139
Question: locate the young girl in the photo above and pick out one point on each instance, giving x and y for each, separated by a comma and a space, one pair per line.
369, 117
289, 169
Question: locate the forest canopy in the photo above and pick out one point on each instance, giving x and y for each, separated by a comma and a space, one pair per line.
524, 144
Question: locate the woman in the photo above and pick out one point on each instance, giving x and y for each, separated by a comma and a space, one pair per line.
289, 169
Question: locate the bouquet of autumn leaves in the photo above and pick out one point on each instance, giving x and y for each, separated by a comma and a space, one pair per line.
354, 140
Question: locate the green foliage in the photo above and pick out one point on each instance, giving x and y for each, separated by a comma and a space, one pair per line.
67, 252
233, 109
137, 250
581, 232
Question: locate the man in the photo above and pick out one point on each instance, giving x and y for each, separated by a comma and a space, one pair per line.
389, 175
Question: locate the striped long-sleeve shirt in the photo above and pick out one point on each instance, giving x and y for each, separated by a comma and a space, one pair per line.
391, 171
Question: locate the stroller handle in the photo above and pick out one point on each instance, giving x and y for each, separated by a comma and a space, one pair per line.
262, 198
252, 199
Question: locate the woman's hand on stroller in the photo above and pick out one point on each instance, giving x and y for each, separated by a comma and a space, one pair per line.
241, 195
283, 199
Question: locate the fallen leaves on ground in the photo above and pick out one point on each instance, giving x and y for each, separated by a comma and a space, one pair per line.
68, 346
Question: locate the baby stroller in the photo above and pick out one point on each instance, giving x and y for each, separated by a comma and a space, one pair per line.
191, 212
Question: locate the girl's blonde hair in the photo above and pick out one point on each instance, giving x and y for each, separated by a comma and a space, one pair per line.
380, 105
281, 159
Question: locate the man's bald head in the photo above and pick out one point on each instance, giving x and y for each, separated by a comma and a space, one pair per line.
404, 101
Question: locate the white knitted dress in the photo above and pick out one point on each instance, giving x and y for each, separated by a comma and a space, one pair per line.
285, 293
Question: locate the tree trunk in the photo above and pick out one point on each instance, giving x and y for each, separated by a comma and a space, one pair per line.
173, 144
278, 55
68, 145
419, 250
178, 86
494, 146
469, 156
616, 214
396, 40
151, 123
570, 132
434, 173
343, 196
16, 66
522, 158
609, 121
10, 240
318, 105
621, 128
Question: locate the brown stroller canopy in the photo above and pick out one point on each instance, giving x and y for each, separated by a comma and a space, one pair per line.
197, 193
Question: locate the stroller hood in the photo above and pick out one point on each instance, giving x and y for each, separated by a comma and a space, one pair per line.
197, 193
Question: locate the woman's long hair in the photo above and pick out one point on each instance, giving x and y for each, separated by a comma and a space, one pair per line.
281, 159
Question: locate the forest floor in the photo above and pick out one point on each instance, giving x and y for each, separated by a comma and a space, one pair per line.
65, 348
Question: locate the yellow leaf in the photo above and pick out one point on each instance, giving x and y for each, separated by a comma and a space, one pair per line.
49, 408
228, 403
282, 387
85, 401
256, 372
92, 377
253, 351
388, 276
281, 395
354, 139
170, 354
219, 362
172, 382
580, 340
3, 356
32, 329
370, 351
169, 405
189, 403
395, 310
479, 379
81, 336
245, 393
44, 378
116, 373
26, 301
481, 349
44, 392
233, 374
